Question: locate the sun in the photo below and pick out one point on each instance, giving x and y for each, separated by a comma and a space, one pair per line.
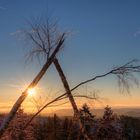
31, 91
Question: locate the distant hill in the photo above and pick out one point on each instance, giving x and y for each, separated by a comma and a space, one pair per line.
134, 112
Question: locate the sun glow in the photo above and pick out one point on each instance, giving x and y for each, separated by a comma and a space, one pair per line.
31, 91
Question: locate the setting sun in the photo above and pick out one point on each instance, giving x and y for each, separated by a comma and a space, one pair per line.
31, 91
70, 70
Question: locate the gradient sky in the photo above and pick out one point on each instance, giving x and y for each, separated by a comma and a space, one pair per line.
105, 33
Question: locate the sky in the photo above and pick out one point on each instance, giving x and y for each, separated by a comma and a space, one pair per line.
104, 34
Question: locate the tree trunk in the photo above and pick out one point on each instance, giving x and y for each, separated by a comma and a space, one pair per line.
16, 106
70, 96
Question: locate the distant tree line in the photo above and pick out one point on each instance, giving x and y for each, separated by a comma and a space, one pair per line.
108, 127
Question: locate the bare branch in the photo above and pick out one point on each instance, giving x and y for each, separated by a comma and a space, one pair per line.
61, 97
44, 36
71, 98
124, 74
116, 71
15, 107
75, 96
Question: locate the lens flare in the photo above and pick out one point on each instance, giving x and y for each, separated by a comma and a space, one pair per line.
31, 91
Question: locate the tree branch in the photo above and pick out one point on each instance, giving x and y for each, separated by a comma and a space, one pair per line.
127, 67
16, 106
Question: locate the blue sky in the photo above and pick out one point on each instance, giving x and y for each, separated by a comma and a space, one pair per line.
105, 33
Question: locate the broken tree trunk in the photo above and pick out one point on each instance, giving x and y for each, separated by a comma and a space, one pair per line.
70, 96
16, 106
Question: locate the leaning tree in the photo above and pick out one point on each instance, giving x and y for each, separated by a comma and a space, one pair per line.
44, 37
57, 44
123, 73
46, 42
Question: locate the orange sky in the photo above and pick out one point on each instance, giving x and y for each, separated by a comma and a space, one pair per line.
107, 96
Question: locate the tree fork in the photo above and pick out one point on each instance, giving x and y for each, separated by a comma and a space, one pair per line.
24, 94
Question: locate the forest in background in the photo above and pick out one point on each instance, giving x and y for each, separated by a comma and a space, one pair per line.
109, 126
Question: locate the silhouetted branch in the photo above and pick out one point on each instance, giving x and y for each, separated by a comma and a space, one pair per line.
123, 73
16, 106
122, 70
80, 96
70, 97
75, 96
44, 36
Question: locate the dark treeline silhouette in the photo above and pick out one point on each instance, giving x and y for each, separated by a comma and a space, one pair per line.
108, 127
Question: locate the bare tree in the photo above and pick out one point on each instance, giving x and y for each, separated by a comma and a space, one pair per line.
122, 73
38, 102
42, 35
46, 42
71, 98
36, 35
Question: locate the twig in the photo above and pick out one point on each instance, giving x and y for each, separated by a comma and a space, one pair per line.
127, 67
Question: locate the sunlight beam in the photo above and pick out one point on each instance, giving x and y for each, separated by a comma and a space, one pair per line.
31, 91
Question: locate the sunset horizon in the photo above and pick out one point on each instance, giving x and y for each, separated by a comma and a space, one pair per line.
76, 59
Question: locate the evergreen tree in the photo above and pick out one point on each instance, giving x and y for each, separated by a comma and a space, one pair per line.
15, 130
86, 115
109, 127
87, 118
40, 128
65, 128
108, 114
